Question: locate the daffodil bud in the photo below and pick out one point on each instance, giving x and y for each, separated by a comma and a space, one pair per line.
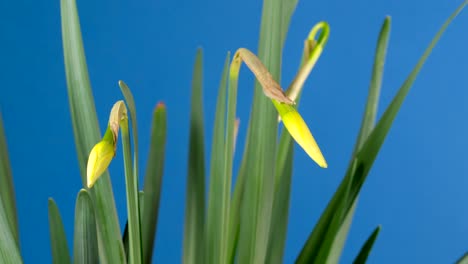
102, 153
98, 161
300, 132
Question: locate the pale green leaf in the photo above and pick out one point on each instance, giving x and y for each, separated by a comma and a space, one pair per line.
85, 246
58, 238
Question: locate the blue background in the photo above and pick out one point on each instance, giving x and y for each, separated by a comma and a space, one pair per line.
416, 190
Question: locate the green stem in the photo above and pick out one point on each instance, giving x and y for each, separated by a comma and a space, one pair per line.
131, 184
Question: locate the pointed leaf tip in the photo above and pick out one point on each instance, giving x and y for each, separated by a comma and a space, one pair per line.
160, 105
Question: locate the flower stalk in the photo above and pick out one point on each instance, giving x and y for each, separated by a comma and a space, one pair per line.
285, 102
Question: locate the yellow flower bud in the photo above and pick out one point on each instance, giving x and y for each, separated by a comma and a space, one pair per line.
98, 161
299, 131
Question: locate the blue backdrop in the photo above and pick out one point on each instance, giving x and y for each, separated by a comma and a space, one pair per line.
416, 190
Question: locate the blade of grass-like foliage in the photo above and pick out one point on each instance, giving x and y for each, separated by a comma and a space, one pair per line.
131, 184
367, 247
287, 8
132, 109
85, 245
371, 147
136, 249
86, 130
195, 199
334, 242
213, 228
58, 239
235, 207
370, 113
7, 192
463, 259
9, 251
260, 157
357, 173
283, 179
153, 182
125, 233
334, 216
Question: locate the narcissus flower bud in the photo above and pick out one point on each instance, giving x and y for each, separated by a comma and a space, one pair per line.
98, 161
103, 152
300, 132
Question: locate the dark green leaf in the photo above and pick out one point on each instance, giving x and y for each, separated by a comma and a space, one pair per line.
58, 239
195, 199
85, 246
367, 247
344, 199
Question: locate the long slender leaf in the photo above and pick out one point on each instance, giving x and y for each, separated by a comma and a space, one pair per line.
85, 246
367, 247
370, 113
58, 239
284, 169
127, 93
7, 192
136, 249
125, 233
463, 259
153, 181
195, 199
86, 130
339, 227
9, 251
213, 228
260, 158
360, 167
133, 209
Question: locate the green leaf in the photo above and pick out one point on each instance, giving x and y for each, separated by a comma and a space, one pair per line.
371, 147
127, 93
367, 247
58, 239
7, 192
153, 181
284, 169
213, 227
344, 199
85, 246
370, 113
9, 251
463, 259
256, 208
125, 234
195, 198
133, 209
339, 227
86, 130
